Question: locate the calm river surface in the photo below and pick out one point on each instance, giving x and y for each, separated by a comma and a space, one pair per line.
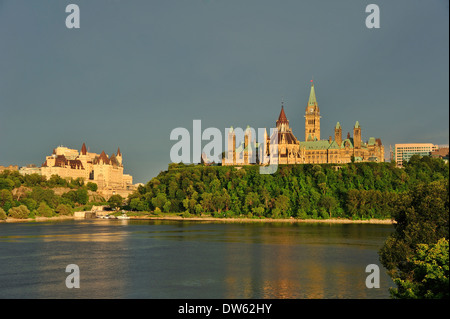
181, 259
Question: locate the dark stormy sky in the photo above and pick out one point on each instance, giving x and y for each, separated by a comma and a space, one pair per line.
137, 69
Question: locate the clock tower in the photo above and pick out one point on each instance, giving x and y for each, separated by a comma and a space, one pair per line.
312, 118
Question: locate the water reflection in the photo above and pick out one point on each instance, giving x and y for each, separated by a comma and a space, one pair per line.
161, 259
306, 261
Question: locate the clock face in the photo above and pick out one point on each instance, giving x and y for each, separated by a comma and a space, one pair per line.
311, 109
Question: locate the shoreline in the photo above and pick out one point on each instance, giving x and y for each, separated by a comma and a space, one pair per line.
214, 219
270, 220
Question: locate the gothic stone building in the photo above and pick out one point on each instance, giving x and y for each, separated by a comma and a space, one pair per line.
312, 150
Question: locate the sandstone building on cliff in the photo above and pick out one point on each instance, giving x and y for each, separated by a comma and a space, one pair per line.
101, 169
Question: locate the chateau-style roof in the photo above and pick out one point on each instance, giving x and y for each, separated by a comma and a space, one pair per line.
118, 152
76, 164
62, 161
102, 157
113, 160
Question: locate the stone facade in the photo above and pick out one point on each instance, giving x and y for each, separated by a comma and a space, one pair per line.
101, 169
9, 168
312, 150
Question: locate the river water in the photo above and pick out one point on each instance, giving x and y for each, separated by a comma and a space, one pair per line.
181, 259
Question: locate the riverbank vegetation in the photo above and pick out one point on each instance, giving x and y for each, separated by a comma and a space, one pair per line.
31, 196
352, 191
416, 254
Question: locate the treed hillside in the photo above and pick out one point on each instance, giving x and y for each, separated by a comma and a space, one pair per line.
355, 190
33, 195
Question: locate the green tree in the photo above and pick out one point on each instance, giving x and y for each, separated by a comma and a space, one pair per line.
44, 210
31, 180
56, 180
6, 183
20, 212
82, 196
429, 276
29, 202
63, 209
159, 200
138, 204
6, 199
92, 186
329, 203
115, 201
77, 182
422, 217
167, 206
281, 205
40, 194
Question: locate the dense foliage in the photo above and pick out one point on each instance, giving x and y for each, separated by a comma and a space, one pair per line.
429, 273
24, 196
354, 190
416, 254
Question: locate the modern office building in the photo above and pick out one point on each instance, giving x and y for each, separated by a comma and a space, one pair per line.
403, 152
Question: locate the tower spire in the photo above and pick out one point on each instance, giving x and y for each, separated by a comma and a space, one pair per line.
312, 96
282, 118
312, 117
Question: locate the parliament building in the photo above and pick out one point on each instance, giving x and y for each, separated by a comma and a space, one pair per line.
312, 150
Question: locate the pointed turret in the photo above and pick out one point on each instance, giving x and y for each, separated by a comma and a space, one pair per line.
103, 157
282, 119
282, 122
119, 156
83, 149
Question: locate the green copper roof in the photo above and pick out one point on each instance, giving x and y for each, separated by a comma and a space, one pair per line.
315, 145
357, 124
333, 145
372, 141
349, 141
338, 125
312, 97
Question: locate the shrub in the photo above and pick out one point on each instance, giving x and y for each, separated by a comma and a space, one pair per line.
2, 214
92, 186
186, 214
63, 209
20, 212
30, 203
44, 210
